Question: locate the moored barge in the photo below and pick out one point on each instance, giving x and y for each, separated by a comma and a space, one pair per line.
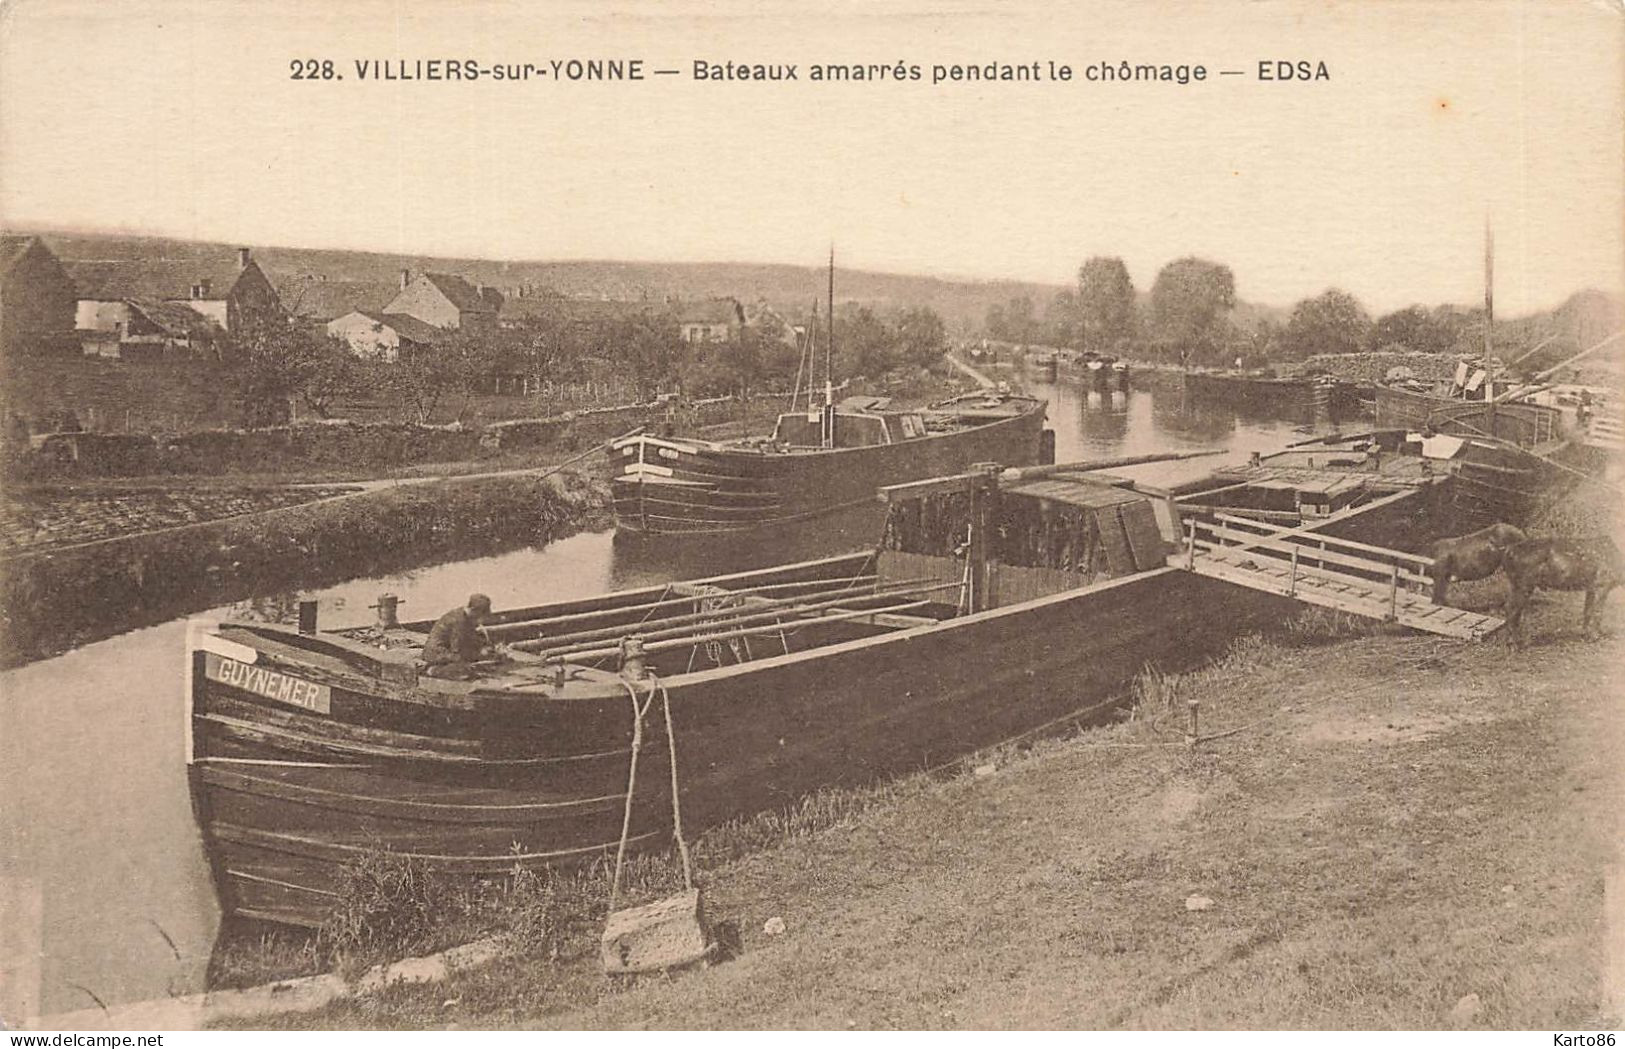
815, 463
987, 612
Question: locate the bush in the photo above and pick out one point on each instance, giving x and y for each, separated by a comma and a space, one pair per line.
389, 905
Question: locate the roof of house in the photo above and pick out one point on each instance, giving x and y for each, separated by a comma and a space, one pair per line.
176, 318
710, 311
323, 300
573, 311
465, 296
13, 247
407, 327
153, 279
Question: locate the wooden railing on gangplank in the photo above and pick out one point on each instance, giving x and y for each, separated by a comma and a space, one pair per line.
1304, 552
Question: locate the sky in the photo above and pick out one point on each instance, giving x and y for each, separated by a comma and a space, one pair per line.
181, 119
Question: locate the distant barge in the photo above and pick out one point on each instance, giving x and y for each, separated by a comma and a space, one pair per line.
815, 463
1307, 396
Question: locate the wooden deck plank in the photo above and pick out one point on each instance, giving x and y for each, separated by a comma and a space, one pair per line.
1355, 596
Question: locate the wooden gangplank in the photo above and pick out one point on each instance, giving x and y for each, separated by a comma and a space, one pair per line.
1358, 578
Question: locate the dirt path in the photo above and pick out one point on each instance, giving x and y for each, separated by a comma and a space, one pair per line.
976, 376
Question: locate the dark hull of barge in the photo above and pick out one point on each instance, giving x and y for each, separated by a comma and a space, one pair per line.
706, 489
1526, 425
477, 780
1288, 396
1481, 482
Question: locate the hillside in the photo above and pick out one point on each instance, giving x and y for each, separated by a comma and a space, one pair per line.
962, 302
1585, 317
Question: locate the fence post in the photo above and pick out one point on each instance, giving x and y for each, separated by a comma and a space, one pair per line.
1190, 547
1191, 707
1292, 579
1393, 591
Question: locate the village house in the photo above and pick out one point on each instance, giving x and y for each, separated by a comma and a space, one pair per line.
316, 300
447, 301
386, 337
124, 298
36, 296
764, 318
148, 330
714, 320
581, 316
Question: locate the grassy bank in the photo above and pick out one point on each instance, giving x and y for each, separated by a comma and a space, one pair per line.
1387, 831
54, 600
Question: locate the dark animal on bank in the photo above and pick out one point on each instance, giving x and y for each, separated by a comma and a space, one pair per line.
1594, 565
1473, 556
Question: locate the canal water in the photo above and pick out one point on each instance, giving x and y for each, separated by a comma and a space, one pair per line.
104, 891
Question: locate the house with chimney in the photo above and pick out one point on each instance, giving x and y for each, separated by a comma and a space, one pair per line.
712, 320
444, 300
36, 296
123, 297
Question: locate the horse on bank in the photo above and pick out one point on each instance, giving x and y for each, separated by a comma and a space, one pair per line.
1473, 556
1593, 564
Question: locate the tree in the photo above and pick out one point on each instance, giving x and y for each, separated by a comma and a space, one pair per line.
1105, 303
542, 344
996, 324
274, 360
1331, 322
1062, 322
331, 372
863, 344
920, 335
1013, 321
420, 379
1189, 299
1415, 328
649, 348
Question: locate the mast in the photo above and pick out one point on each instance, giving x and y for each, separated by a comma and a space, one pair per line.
826, 433
807, 347
1489, 323
1489, 289
829, 352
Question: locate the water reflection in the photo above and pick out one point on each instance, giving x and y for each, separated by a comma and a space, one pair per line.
98, 850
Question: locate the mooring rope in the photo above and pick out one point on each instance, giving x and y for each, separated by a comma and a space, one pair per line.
638, 712
676, 806
631, 783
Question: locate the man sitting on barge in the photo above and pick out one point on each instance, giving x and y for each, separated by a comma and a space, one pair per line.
455, 643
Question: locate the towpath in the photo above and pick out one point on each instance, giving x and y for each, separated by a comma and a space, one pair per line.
95, 517
980, 377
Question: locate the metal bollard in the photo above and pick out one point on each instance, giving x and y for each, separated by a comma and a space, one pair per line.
634, 663
387, 606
